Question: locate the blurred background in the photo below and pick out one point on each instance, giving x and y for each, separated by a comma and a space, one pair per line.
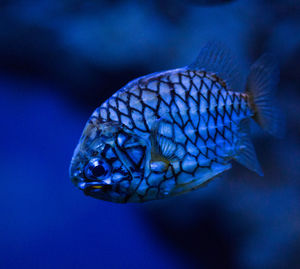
60, 59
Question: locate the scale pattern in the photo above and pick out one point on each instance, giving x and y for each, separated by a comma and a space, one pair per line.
198, 118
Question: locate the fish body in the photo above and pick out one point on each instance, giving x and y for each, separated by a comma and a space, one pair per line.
171, 132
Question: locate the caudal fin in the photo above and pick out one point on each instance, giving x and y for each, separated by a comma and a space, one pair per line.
261, 86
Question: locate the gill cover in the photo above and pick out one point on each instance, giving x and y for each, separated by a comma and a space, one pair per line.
130, 148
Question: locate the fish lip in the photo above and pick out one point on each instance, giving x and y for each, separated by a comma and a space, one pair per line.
84, 184
90, 186
87, 185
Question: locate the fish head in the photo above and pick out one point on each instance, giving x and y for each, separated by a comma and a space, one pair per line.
108, 161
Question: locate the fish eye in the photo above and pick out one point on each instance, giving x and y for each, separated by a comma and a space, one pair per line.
96, 169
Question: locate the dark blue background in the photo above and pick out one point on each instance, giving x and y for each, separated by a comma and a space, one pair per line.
60, 59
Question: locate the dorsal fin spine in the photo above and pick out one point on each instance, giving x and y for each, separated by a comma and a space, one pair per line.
216, 58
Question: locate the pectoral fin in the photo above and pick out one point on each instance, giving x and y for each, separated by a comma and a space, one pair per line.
163, 146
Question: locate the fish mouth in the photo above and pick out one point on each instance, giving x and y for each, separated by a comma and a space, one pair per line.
103, 192
88, 185
95, 189
95, 186
99, 190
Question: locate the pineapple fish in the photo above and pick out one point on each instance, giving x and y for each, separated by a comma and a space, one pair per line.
171, 132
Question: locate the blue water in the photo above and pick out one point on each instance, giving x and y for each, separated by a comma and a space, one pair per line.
60, 59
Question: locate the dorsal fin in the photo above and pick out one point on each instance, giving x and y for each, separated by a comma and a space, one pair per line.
215, 57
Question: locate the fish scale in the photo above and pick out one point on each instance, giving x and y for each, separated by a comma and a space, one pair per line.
172, 132
173, 90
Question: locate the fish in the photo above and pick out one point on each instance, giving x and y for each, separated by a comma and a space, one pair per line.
171, 132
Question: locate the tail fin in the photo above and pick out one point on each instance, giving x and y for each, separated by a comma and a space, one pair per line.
261, 86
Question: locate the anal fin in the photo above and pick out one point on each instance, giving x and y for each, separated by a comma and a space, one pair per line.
246, 154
